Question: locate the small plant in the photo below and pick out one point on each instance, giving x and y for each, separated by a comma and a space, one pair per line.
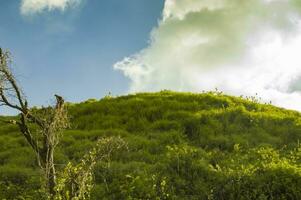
76, 181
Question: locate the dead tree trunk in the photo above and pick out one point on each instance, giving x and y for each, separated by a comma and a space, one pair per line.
50, 170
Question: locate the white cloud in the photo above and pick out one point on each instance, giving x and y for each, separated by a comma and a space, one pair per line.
242, 47
29, 7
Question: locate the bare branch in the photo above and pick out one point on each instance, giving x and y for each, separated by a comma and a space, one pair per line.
8, 82
7, 103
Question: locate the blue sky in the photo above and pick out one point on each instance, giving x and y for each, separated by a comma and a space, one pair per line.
72, 52
84, 49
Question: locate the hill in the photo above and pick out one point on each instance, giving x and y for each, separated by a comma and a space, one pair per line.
180, 146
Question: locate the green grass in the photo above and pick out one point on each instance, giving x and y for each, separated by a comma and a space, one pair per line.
181, 146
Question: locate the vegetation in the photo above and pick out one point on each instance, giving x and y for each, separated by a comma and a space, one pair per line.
180, 146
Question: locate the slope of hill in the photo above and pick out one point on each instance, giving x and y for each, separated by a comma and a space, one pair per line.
180, 146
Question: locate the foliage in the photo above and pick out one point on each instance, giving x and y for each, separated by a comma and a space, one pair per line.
76, 182
180, 146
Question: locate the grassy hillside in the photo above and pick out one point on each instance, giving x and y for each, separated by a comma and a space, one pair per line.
180, 146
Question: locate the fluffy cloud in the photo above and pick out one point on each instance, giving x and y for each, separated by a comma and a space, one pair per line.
242, 47
29, 7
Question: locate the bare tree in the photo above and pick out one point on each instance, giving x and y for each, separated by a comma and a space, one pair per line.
41, 128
